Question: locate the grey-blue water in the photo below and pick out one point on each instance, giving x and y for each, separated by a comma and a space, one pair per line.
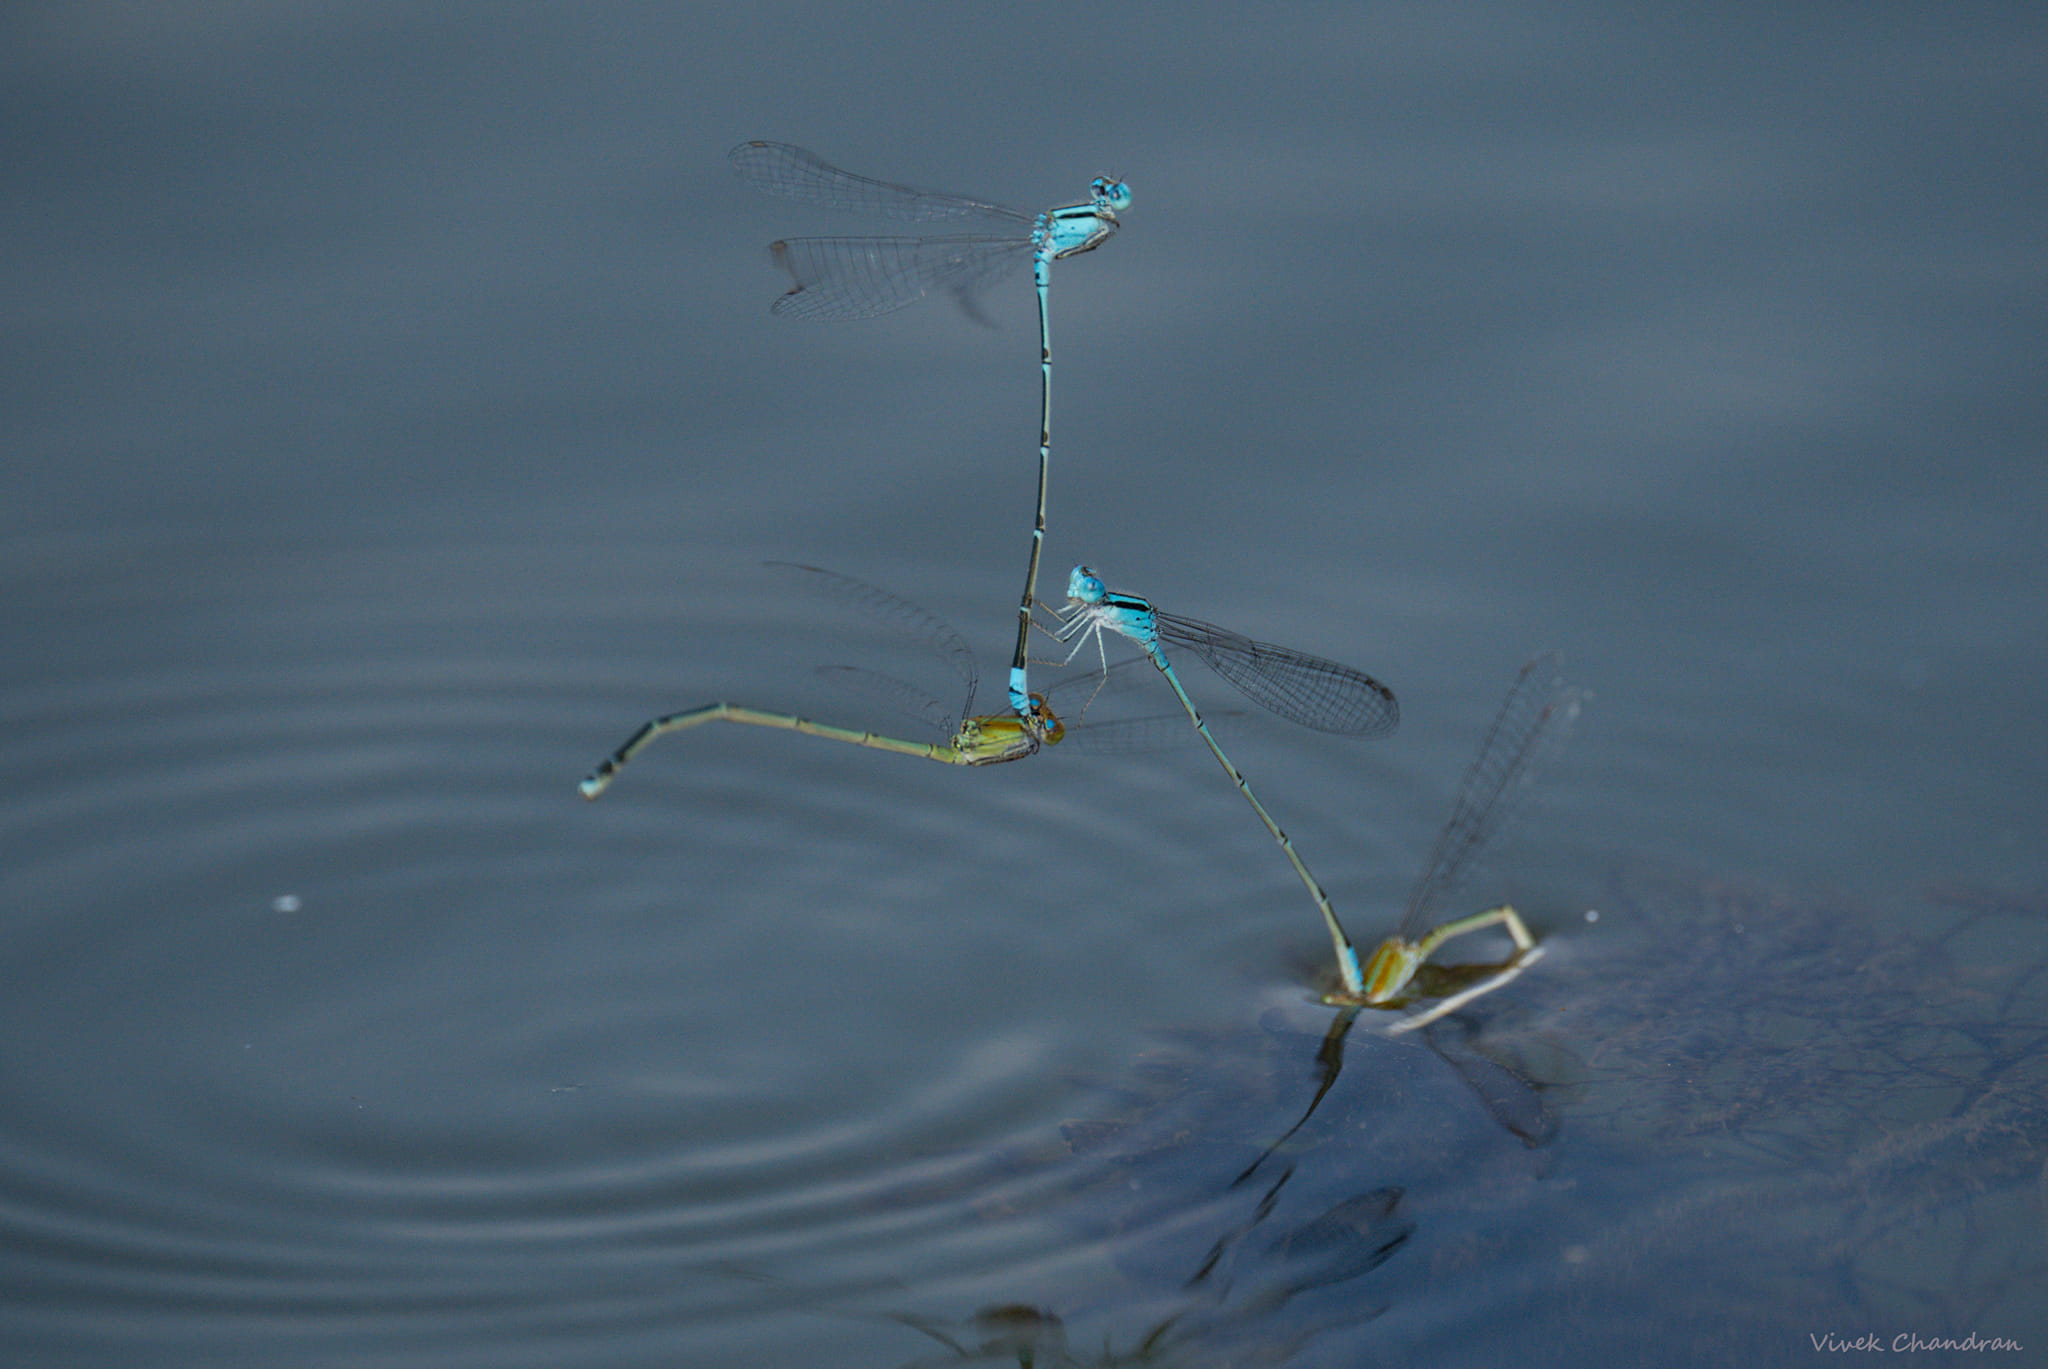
394, 419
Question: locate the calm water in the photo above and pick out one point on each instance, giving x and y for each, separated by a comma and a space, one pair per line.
395, 420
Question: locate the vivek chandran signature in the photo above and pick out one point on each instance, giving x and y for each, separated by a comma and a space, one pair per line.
1908, 1342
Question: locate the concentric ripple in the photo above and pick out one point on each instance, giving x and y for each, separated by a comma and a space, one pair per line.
341, 1030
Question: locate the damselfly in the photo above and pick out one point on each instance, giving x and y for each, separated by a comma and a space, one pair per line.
1534, 720
1323, 694
865, 277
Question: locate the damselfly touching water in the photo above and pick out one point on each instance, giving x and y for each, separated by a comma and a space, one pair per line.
865, 277
1534, 720
952, 738
977, 739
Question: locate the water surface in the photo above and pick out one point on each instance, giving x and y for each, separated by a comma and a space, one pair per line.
396, 421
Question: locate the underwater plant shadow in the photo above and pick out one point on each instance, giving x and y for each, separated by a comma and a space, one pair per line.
1723, 1129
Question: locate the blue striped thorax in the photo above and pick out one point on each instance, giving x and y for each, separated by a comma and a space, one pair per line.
1082, 228
1133, 616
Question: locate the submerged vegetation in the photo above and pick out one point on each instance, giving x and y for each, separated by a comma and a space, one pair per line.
1717, 1100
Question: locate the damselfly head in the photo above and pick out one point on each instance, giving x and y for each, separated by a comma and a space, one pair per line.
1112, 195
1048, 723
1085, 587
